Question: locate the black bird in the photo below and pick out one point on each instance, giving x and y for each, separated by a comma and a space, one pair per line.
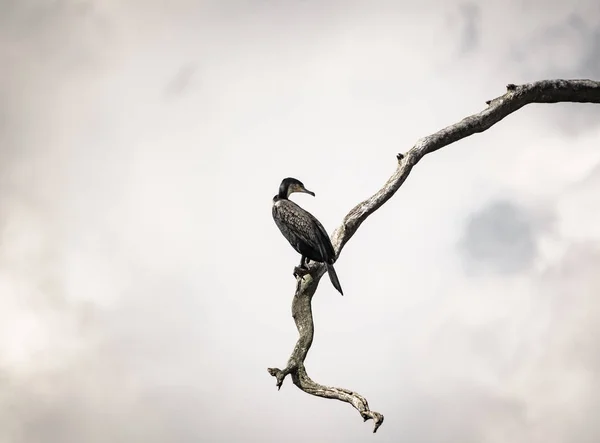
304, 232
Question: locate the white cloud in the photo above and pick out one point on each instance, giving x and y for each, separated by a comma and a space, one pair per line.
145, 288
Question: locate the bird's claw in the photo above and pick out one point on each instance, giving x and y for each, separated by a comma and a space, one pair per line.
300, 271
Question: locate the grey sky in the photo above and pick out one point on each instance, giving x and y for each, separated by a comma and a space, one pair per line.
501, 237
144, 288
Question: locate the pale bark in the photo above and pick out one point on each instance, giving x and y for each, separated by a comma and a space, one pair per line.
546, 91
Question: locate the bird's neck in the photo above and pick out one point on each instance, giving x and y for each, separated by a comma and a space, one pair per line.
283, 192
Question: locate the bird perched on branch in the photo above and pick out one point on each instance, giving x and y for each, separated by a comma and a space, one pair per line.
304, 232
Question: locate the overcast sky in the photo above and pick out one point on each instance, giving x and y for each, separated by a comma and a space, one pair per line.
144, 288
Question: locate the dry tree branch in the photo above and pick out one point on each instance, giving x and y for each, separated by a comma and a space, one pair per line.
546, 91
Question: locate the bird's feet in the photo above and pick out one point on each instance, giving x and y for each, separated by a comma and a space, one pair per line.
300, 271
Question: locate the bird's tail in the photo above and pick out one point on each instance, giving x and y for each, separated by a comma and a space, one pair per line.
334, 278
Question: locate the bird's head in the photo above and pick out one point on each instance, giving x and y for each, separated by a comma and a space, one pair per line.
290, 185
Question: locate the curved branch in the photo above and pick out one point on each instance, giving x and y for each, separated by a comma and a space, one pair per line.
546, 91
302, 314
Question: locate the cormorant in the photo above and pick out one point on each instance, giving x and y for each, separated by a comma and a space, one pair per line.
304, 232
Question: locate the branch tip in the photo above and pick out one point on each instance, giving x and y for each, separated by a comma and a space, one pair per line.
378, 421
375, 416
279, 375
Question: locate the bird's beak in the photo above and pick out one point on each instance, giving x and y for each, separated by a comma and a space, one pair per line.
306, 191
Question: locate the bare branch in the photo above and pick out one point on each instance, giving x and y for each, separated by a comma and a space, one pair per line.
546, 91
517, 96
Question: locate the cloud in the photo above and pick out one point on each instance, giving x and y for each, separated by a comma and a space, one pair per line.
470, 40
145, 288
467, 412
182, 79
500, 237
567, 48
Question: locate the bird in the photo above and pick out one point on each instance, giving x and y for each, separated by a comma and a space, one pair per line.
304, 232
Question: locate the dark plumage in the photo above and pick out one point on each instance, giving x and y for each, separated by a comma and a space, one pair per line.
304, 232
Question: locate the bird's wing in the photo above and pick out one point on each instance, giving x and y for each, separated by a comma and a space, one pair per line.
294, 222
300, 226
327, 248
